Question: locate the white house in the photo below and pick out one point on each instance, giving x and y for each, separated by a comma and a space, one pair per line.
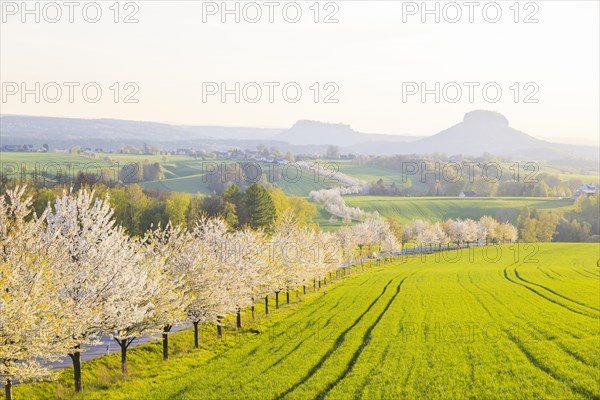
587, 189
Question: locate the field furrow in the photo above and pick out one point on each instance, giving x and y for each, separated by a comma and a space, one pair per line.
548, 297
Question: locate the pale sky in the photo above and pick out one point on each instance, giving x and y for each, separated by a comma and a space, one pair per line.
368, 55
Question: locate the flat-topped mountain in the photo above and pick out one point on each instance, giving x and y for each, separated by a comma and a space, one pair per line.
480, 131
306, 132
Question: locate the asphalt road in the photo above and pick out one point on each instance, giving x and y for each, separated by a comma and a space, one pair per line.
108, 346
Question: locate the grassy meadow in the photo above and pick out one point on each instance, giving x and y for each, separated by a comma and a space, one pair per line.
497, 322
440, 208
182, 173
372, 173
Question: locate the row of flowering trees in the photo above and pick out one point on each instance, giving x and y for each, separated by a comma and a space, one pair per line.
460, 231
71, 275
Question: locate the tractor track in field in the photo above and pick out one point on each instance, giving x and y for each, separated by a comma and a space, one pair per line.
340, 340
365, 342
586, 275
409, 373
359, 392
292, 351
546, 335
553, 292
558, 303
477, 299
399, 364
593, 274
532, 359
309, 307
558, 276
254, 350
308, 325
547, 274
541, 332
548, 371
281, 359
576, 356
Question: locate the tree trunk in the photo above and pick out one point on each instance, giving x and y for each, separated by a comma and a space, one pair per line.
165, 345
76, 358
276, 300
303, 289
8, 389
238, 319
314, 285
360, 246
287, 297
319, 283
267, 305
123, 344
219, 328
196, 338
165, 342
252, 308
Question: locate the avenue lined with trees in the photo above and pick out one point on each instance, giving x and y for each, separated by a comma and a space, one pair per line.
71, 273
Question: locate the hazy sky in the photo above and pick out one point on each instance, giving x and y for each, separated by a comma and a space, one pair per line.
372, 54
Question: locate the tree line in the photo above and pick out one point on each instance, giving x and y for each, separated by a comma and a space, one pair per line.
487, 176
72, 274
138, 209
459, 232
582, 225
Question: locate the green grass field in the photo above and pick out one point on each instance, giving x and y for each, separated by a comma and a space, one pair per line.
182, 173
496, 323
371, 173
196, 183
440, 208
